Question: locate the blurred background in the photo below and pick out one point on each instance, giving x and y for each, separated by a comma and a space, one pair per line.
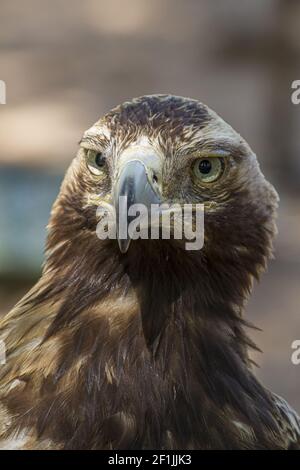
67, 63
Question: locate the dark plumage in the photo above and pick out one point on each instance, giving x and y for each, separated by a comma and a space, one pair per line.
146, 348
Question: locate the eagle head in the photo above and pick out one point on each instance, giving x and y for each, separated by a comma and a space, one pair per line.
163, 149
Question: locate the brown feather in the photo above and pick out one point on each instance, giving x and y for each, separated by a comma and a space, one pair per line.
146, 349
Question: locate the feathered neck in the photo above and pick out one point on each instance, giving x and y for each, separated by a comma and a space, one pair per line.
149, 351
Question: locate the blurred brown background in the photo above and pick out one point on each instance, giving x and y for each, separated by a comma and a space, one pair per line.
65, 63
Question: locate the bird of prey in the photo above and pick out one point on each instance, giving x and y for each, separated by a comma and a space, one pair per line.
141, 344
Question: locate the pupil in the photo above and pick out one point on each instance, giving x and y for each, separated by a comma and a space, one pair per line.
205, 167
99, 160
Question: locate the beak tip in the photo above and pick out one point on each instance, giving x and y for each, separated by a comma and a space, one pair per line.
124, 244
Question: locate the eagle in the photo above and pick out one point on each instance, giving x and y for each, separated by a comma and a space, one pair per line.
139, 343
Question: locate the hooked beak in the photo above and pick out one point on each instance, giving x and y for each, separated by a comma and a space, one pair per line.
137, 183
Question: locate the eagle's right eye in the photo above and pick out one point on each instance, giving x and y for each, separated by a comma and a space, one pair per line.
95, 162
208, 169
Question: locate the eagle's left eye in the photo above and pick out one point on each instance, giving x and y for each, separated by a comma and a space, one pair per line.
208, 170
95, 162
